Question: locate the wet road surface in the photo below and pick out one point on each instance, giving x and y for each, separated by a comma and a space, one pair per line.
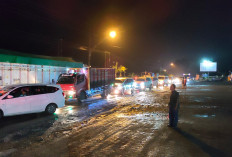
128, 126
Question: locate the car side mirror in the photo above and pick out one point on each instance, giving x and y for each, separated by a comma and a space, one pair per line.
9, 96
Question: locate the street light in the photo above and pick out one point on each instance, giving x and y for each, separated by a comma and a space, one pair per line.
92, 47
172, 64
112, 34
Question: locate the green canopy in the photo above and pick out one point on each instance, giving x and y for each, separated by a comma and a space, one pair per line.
22, 58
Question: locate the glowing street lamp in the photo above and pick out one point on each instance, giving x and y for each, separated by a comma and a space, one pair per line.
172, 64
92, 47
112, 34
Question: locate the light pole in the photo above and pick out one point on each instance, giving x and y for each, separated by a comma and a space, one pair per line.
91, 48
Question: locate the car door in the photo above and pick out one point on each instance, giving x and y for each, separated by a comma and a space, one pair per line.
18, 103
80, 83
38, 99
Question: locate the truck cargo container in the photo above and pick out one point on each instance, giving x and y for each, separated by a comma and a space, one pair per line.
19, 68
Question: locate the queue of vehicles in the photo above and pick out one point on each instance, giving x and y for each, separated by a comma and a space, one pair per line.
77, 83
46, 84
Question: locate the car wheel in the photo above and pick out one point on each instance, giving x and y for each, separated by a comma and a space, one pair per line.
81, 97
50, 109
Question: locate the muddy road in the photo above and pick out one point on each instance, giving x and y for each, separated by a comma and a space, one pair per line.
128, 126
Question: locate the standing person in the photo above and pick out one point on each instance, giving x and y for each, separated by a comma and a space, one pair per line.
183, 81
173, 106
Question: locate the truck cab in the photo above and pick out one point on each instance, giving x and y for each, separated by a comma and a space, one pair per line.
72, 84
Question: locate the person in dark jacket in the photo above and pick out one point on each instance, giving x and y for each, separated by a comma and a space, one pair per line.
173, 106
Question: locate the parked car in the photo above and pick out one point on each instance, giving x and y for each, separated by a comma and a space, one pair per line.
30, 98
163, 80
143, 83
123, 86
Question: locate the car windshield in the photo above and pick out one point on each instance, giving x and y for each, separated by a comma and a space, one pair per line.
66, 80
140, 80
161, 78
6, 89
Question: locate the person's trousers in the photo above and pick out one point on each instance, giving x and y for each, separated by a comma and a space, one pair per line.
173, 117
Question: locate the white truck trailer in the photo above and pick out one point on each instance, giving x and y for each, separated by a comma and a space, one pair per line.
17, 68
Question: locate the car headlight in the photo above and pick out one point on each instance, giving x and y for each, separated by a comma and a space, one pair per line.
116, 91
71, 92
177, 80
134, 84
142, 85
161, 81
119, 87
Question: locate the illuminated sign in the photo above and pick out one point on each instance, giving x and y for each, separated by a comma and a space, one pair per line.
208, 66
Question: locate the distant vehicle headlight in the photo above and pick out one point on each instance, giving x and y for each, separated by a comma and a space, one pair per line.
119, 87
134, 84
177, 80
71, 92
142, 85
116, 91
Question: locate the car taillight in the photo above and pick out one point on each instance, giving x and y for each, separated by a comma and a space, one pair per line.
63, 93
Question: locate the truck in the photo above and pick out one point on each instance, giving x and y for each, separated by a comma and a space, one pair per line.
20, 68
81, 83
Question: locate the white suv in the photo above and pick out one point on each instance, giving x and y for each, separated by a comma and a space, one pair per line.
30, 98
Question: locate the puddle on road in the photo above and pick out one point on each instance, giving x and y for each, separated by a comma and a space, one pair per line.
203, 107
97, 105
204, 116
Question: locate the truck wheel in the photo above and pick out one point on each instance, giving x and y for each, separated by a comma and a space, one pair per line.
51, 108
104, 94
81, 97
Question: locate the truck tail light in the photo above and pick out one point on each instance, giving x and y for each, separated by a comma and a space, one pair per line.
63, 93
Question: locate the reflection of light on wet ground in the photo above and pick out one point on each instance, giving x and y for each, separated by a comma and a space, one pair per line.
198, 106
58, 111
156, 119
97, 104
204, 115
70, 109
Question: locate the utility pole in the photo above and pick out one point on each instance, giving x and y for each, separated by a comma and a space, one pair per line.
60, 47
90, 50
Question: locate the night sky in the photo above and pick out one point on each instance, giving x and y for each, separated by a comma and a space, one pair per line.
151, 33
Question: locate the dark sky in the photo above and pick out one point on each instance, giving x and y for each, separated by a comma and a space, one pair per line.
152, 33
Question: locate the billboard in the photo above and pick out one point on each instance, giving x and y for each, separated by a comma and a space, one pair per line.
208, 66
